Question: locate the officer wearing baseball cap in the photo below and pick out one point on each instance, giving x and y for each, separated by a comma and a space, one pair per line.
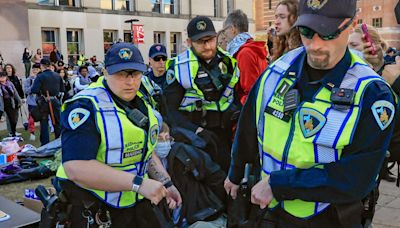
200, 93
109, 134
153, 81
319, 121
48, 82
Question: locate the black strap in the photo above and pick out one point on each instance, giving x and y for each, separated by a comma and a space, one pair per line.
189, 165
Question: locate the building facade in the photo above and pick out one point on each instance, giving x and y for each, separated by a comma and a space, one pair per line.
91, 26
378, 13
264, 14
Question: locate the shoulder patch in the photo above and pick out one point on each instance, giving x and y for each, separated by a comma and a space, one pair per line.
170, 76
383, 112
77, 117
154, 131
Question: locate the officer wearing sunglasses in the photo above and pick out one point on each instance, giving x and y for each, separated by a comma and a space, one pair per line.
320, 121
157, 59
153, 81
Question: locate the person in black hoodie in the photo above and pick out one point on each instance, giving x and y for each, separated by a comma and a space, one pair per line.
26, 59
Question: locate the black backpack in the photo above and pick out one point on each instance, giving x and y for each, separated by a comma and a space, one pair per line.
200, 182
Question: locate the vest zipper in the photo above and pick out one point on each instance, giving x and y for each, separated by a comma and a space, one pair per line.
290, 138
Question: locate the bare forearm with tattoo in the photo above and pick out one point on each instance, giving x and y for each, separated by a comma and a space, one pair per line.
157, 171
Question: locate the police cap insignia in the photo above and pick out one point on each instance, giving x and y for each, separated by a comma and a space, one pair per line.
201, 25
383, 112
170, 76
316, 4
77, 117
311, 121
125, 53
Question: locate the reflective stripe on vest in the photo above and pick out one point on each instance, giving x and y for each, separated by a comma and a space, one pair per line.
122, 144
278, 138
150, 90
186, 68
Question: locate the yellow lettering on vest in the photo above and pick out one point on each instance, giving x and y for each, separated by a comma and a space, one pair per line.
277, 101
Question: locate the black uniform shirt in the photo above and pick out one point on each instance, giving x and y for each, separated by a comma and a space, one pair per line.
48, 81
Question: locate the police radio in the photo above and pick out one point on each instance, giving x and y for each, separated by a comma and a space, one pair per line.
137, 117
134, 115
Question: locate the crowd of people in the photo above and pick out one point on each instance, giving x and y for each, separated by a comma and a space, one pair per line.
285, 124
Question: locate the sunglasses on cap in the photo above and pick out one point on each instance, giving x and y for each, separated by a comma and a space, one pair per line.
158, 58
309, 33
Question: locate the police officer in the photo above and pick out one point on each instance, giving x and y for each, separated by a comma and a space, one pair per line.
320, 120
51, 84
200, 92
157, 59
108, 135
153, 81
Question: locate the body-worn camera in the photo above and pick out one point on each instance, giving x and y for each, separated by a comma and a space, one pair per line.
342, 96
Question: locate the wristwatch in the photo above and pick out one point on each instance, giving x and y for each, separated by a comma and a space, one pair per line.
137, 181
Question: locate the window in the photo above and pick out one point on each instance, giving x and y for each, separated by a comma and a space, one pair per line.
109, 37
73, 3
165, 6
269, 4
230, 5
127, 37
74, 46
175, 43
359, 21
46, 2
106, 4
377, 22
156, 6
123, 5
159, 38
377, 8
49, 40
217, 8
169, 6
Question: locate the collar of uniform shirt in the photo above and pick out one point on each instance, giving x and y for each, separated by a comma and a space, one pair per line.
335, 75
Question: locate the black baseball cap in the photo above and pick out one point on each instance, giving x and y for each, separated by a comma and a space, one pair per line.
325, 16
124, 56
200, 27
157, 50
45, 61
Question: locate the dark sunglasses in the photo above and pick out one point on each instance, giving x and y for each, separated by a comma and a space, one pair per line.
158, 58
309, 33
